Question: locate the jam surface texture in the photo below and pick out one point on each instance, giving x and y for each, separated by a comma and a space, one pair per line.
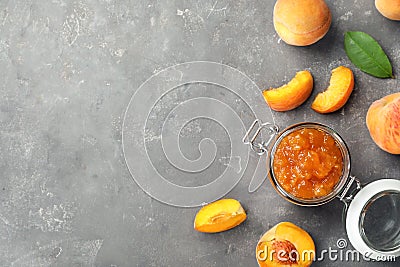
308, 163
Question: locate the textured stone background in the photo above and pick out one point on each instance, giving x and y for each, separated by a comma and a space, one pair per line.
68, 70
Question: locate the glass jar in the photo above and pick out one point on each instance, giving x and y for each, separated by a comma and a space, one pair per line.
345, 165
371, 212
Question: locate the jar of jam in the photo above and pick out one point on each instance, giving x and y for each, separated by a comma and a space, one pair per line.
309, 164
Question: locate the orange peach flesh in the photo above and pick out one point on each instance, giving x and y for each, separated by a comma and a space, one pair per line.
219, 216
289, 238
338, 92
292, 94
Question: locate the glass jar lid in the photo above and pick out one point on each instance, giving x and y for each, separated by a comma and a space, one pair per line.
373, 220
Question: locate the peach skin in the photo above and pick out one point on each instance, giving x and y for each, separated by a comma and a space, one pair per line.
389, 8
301, 22
383, 122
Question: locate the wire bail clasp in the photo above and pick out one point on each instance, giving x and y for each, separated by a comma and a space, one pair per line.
260, 147
348, 198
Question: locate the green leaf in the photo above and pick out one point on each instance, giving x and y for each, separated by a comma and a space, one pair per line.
367, 54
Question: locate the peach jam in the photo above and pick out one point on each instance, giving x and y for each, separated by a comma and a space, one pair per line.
308, 163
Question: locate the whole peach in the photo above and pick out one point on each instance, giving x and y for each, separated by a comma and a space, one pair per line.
389, 8
301, 22
383, 122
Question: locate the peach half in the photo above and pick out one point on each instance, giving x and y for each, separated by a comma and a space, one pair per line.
219, 216
285, 244
292, 94
383, 122
338, 92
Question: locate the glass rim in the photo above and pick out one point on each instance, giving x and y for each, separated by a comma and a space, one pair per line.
345, 171
354, 211
365, 208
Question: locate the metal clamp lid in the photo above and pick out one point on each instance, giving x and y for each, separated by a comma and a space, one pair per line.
260, 147
348, 198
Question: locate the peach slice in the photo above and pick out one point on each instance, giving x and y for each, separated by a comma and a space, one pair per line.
292, 94
219, 216
336, 95
285, 244
383, 122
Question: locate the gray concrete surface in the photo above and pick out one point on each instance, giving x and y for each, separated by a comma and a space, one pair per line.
68, 70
